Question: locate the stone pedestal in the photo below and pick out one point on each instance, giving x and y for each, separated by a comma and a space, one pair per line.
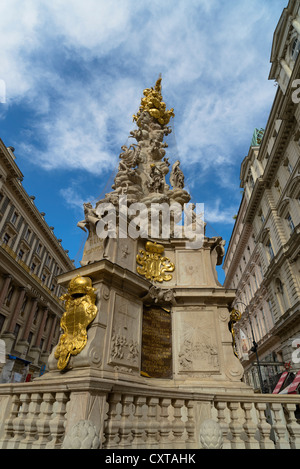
201, 351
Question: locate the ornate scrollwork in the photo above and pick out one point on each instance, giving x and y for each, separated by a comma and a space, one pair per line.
80, 312
154, 266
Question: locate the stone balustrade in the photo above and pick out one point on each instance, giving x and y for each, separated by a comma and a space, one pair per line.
40, 415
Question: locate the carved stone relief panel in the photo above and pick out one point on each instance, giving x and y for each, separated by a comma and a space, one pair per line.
126, 334
196, 340
190, 268
126, 253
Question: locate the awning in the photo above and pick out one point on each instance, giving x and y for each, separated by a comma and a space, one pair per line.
12, 357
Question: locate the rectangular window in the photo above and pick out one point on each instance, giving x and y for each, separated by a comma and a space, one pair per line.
27, 235
48, 259
30, 336
6, 238
270, 250
290, 168
20, 254
14, 218
290, 223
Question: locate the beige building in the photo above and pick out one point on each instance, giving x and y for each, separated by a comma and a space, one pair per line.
30, 259
262, 261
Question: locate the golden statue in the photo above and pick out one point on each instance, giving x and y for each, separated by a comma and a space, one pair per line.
154, 105
80, 312
153, 265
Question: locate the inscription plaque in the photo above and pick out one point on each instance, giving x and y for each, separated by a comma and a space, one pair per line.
156, 343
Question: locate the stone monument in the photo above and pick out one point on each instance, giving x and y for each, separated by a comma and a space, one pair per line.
146, 356
146, 305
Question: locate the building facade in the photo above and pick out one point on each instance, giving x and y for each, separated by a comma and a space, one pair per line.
263, 257
30, 259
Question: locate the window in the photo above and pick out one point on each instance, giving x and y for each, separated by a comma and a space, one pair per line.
20, 254
290, 223
48, 260
16, 333
30, 336
35, 314
38, 248
264, 320
295, 49
290, 168
279, 286
44, 277
27, 235
270, 250
6, 238
14, 217
33, 267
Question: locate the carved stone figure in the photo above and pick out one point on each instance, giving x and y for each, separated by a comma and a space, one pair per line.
156, 183
176, 176
159, 297
91, 217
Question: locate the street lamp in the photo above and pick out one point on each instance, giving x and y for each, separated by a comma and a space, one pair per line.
254, 348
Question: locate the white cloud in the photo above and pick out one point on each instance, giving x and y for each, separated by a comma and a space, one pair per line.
218, 213
73, 198
82, 66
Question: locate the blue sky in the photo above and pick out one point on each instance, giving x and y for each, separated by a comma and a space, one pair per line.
75, 71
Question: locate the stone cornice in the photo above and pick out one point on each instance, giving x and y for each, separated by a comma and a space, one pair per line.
13, 182
12, 168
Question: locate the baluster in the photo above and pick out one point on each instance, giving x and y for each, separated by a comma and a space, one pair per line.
112, 424
235, 426
249, 426
279, 427
264, 427
126, 422
292, 426
19, 421
6, 442
139, 422
190, 424
165, 424
178, 425
43, 422
221, 407
152, 423
56, 424
31, 420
